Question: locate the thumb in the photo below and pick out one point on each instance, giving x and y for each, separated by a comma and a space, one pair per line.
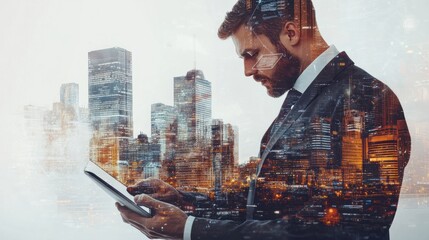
147, 201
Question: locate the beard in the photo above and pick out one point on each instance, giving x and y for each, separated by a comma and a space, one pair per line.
286, 72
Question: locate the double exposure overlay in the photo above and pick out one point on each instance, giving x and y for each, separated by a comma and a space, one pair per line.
330, 166
331, 163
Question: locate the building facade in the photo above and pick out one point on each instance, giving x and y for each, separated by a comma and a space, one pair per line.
192, 99
69, 97
110, 104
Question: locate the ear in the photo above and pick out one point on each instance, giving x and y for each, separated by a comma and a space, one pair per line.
290, 34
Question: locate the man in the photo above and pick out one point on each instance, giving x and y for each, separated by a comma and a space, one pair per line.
332, 162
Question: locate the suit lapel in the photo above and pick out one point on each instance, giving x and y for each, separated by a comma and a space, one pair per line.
325, 78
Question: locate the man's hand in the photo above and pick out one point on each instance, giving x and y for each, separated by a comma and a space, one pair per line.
157, 189
168, 221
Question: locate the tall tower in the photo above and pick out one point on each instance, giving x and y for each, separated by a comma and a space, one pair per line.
69, 97
217, 143
353, 146
163, 125
192, 99
383, 140
110, 104
110, 91
320, 142
224, 155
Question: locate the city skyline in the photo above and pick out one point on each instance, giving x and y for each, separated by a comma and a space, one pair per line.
380, 142
66, 53
182, 148
45, 44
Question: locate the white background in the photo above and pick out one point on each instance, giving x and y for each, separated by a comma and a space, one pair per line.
44, 43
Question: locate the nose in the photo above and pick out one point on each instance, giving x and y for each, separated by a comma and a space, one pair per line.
248, 67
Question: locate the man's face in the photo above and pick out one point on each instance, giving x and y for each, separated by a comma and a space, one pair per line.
271, 65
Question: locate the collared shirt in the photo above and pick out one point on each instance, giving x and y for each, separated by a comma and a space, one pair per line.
302, 83
310, 73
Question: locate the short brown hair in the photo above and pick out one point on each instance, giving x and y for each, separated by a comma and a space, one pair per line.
271, 27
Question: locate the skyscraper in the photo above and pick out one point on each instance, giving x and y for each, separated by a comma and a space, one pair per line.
110, 104
387, 138
192, 99
163, 125
319, 142
69, 97
224, 154
164, 131
110, 91
353, 146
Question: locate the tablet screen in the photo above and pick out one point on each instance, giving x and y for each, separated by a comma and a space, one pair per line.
114, 188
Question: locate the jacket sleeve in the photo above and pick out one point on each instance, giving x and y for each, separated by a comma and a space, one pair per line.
191, 197
275, 229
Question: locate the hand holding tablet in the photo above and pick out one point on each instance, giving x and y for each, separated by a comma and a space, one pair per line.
157, 189
154, 218
115, 189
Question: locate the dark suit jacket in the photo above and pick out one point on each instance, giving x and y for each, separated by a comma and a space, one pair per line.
332, 168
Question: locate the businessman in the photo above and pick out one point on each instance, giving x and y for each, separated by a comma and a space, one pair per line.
332, 161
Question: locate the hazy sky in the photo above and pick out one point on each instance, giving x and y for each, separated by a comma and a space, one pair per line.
44, 43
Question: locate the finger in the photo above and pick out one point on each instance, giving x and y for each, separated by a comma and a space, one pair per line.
169, 198
121, 208
130, 216
146, 186
138, 221
145, 182
126, 212
147, 201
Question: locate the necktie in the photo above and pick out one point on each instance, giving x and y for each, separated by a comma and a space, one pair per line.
291, 98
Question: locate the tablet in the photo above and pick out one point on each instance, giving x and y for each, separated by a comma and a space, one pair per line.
114, 188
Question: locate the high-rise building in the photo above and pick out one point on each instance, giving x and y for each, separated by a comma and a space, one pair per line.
110, 91
353, 146
233, 137
142, 154
383, 149
57, 130
320, 142
84, 115
192, 99
224, 155
163, 132
217, 140
384, 145
110, 104
69, 97
163, 125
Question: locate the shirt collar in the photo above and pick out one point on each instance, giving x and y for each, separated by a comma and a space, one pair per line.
310, 73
